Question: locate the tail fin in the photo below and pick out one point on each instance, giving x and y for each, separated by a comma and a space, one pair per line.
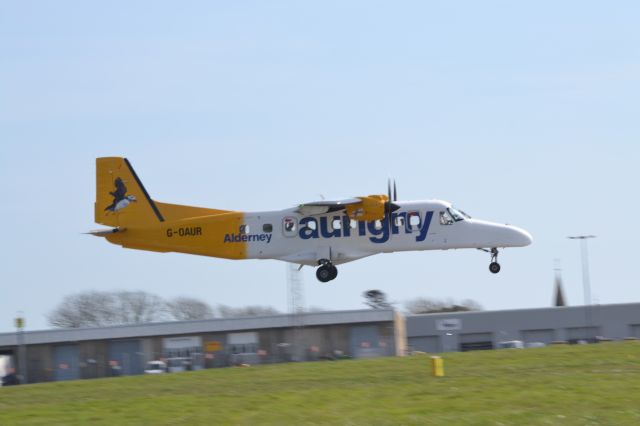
121, 199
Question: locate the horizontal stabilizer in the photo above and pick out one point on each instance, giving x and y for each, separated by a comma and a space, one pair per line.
104, 232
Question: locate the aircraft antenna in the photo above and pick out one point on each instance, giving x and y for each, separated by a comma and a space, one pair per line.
295, 293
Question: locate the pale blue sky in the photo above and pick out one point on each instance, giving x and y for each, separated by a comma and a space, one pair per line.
516, 112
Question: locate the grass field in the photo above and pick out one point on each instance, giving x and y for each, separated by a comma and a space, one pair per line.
564, 385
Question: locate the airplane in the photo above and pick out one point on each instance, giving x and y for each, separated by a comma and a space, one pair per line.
321, 234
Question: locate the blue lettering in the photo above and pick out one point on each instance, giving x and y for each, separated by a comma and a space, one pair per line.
362, 228
425, 227
305, 231
378, 231
383, 231
324, 228
393, 224
242, 238
346, 226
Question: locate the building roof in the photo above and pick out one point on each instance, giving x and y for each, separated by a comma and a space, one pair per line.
198, 326
535, 318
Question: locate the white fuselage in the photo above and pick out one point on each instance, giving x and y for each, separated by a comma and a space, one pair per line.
416, 225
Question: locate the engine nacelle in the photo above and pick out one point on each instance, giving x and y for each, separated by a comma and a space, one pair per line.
371, 208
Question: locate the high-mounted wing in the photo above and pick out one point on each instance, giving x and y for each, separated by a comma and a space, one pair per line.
370, 207
321, 207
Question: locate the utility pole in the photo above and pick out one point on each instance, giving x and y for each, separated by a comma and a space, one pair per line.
586, 284
22, 350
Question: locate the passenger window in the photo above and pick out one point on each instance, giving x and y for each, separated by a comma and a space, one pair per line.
445, 218
312, 224
267, 227
399, 221
289, 226
245, 230
336, 224
353, 224
377, 225
414, 220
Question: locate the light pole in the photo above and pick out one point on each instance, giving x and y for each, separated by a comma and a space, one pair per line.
585, 274
22, 354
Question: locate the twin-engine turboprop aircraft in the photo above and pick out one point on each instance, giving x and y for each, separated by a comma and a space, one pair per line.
320, 233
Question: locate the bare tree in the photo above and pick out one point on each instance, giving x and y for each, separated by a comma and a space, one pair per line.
88, 309
102, 308
246, 311
188, 308
136, 307
376, 299
423, 305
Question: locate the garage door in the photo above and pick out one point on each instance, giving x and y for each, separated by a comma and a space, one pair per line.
476, 341
425, 343
67, 360
545, 336
365, 341
125, 357
580, 333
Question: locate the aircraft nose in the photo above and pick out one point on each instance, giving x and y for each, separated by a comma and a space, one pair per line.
522, 237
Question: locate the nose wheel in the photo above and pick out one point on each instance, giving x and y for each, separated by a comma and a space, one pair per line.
326, 271
494, 266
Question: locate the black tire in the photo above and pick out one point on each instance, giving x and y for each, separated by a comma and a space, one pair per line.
494, 267
334, 272
323, 273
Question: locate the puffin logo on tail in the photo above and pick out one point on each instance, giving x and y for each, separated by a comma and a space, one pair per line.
120, 197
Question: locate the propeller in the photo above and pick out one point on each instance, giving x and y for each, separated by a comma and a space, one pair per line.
389, 205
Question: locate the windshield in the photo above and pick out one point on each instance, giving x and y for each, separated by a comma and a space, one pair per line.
458, 215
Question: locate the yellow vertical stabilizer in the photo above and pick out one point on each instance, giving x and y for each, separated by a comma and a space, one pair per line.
121, 199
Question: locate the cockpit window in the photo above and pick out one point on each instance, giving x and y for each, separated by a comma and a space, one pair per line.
445, 218
458, 215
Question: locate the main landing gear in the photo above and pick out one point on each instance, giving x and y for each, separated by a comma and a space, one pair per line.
326, 271
494, 266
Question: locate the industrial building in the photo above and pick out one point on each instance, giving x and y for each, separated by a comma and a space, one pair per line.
67, 354
463, 331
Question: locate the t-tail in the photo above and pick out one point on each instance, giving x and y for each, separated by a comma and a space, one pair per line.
121, 199
137, 221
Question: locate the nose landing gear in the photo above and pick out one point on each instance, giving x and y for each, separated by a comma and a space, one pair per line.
326, 271
494, 266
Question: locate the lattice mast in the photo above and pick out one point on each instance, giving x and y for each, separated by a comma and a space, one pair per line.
295, 294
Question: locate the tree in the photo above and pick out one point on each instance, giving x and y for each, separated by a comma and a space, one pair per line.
188, 308
423, 305
247, 311
138, 307
105, 308
376, 299
559, 299
102, 308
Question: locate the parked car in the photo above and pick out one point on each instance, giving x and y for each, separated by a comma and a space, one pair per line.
178, 364
511, 344
155, 367
10, 379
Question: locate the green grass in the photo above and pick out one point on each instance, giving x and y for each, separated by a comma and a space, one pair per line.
564, 385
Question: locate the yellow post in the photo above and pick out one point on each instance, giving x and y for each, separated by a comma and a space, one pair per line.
437, 366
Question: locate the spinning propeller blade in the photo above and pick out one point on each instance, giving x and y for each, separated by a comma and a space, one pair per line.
389, 205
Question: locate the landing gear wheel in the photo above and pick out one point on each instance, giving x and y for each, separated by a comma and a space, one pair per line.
324, 273
494, 266
334, 272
